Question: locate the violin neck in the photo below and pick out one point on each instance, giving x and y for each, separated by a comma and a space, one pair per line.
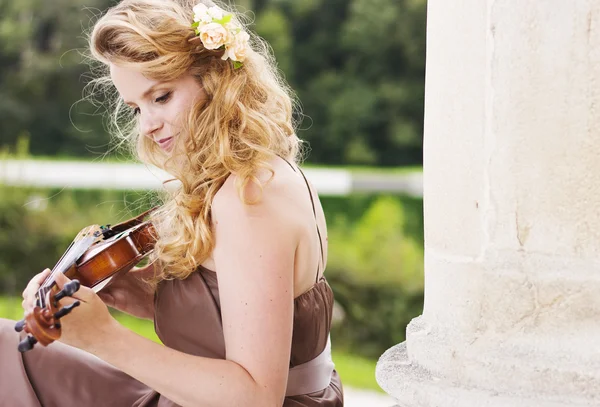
82, 242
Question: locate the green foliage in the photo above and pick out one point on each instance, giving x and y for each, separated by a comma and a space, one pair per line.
370, 251
354, 370
374, 263
23, 239
274, 27
40, 79
377, 274
361, 81
37, 226
10, 307
356, 65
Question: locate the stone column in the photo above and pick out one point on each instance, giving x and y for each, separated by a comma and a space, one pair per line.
512, 210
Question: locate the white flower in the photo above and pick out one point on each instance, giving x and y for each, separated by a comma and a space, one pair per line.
201, 13
233, 27
214, 35
238, 49
200, 8
216, 13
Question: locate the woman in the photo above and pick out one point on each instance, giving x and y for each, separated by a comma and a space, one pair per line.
239, 298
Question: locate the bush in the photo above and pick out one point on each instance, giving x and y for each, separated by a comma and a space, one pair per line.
26, 242
376, 272
375, 262
37, 226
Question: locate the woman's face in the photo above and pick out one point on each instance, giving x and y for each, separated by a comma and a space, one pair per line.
159, 106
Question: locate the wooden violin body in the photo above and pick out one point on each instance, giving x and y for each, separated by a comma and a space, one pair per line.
101, 255
112, 257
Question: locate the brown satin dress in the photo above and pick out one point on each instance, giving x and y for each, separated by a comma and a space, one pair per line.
187, 318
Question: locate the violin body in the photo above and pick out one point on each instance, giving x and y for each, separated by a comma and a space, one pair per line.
112, 257
104, 254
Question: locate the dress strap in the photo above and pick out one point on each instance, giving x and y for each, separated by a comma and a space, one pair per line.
312, 201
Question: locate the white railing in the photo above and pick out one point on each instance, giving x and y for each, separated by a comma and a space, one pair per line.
131, 176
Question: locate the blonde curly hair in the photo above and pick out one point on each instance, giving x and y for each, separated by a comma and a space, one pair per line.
247, 120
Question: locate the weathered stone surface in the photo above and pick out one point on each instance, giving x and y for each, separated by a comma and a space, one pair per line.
511, 203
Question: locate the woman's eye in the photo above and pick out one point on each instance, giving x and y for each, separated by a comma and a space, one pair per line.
164, 97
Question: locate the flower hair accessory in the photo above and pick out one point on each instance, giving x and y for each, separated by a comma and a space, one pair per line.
217, 30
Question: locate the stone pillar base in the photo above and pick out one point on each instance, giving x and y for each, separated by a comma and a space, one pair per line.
511, 198
413, 385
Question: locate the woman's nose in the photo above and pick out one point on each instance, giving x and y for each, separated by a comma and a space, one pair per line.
149, 124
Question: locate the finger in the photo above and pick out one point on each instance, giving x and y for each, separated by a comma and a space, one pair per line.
28, 304
32, 288
39, 279
67, 301
35, 282
64, 303
60, 279
84, 293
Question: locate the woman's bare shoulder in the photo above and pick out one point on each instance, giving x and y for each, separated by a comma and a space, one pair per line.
276, 194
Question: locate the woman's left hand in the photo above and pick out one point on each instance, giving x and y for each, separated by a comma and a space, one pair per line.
88, 324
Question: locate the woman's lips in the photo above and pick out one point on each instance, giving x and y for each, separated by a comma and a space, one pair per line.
165, 142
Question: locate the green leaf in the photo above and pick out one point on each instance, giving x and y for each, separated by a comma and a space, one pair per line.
196, 24
237, 64
224, 20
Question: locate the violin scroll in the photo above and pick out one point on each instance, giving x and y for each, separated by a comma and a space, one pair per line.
98, 255
42, 324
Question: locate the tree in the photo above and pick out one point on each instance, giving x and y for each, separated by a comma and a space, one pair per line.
40, 80
357, 66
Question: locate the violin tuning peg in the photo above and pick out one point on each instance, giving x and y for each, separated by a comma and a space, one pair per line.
19, 326
27, 344
65, 310
68, 290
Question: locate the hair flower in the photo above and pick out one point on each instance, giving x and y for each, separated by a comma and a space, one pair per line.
217, 30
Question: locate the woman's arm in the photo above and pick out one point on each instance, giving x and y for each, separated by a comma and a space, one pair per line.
185, 379
131, 294
254, 256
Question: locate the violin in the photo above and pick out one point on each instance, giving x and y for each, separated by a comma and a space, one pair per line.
96, 257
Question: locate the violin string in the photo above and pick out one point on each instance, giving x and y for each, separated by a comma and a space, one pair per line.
79, 248
63, 256
42, 292
74, 251
49, 280
67, 261
61, 261
78, 242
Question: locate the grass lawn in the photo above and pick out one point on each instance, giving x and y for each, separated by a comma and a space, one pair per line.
356, 372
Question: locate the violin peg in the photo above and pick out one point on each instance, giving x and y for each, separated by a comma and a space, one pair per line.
19, 326
27, 344
68, 290
65, 310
